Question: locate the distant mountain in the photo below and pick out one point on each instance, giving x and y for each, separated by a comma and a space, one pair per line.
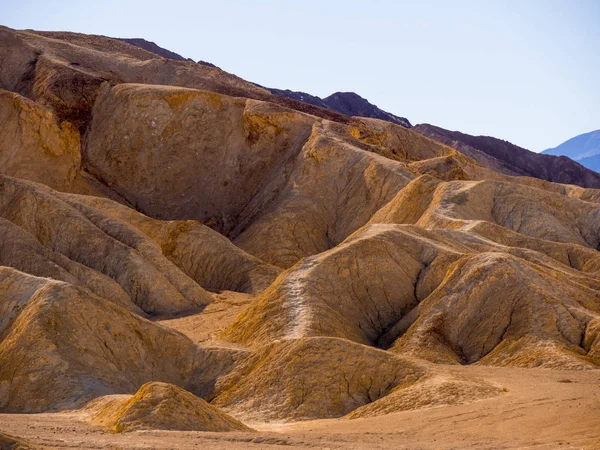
591, 162
584, 148
511, 159
353, 104
300, 96
347, 103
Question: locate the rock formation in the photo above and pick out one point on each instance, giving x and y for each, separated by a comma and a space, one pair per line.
160, 406
432, 391
141, 195
311, 378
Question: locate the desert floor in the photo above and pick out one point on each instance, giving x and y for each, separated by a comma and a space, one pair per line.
541, 409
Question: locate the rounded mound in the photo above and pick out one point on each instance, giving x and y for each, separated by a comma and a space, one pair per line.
160, 406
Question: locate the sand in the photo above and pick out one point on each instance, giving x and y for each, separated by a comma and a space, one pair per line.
541, 409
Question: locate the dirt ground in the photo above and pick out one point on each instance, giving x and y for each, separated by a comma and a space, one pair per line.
541, 409
204, 328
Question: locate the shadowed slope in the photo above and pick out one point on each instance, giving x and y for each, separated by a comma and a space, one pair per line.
311, 378
101, 243
447, 296
121, 254
62, 346
207, 257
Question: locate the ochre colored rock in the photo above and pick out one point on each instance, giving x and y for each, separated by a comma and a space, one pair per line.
85, 235
32, 141
428, 392
311, 378
160, 406
61, 346
203, 254
315, 265
446, 296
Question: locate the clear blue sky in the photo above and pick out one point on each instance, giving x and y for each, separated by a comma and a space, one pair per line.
523, 70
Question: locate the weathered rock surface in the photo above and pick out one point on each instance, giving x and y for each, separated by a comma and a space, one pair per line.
31, 140
61, 346
160, 406
311, 378
363, 258
277, 161
531, 212
207, 257
103, 244
444, 296
150, 125
36, 145
428, 392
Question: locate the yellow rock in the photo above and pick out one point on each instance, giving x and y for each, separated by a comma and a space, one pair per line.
159, 406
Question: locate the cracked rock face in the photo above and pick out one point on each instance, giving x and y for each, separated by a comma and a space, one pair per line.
317, 265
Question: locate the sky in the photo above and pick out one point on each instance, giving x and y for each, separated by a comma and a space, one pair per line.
527, 71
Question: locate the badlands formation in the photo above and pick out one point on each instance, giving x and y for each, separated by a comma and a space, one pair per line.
187, 254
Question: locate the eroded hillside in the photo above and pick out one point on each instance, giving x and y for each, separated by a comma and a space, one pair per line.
168, 223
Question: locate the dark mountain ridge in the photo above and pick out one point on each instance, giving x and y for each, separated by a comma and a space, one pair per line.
158, 50
511, 159
347, 103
